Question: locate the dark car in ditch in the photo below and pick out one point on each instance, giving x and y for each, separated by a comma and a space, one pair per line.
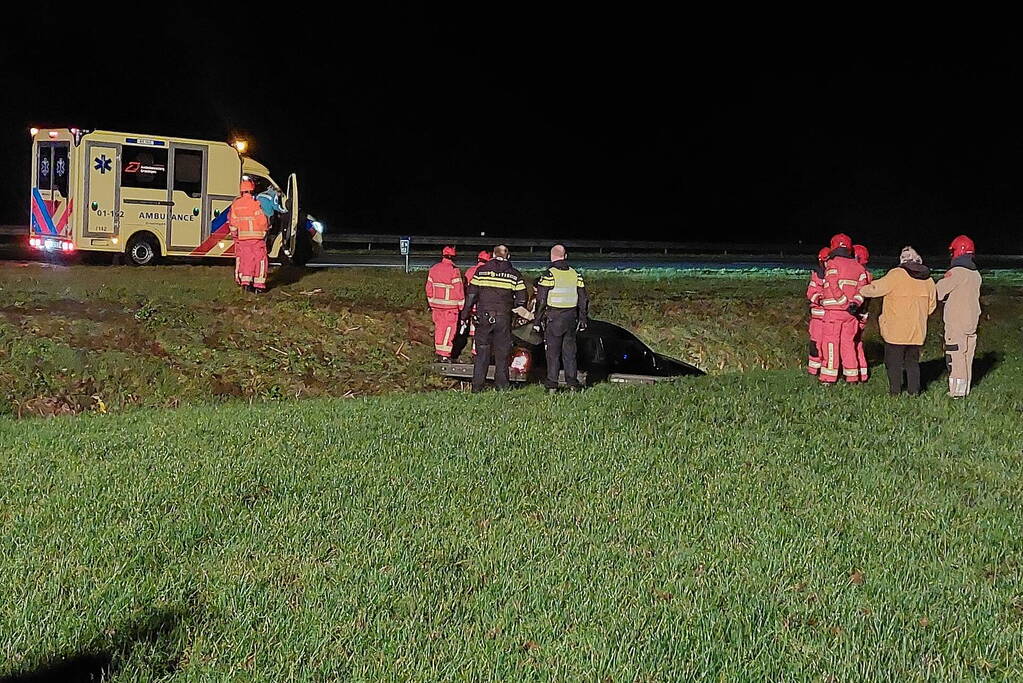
606, 352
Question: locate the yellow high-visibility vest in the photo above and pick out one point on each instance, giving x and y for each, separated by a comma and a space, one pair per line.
565, 292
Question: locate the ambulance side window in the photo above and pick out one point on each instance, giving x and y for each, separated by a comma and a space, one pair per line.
188, 172
143, 167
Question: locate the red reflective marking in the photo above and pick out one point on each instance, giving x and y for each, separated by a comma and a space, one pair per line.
62, 223
40, 220
212, 240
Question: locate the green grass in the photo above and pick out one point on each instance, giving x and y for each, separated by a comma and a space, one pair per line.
84, 339
748, 527
742, 526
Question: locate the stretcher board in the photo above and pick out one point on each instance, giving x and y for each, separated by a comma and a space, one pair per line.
463, 371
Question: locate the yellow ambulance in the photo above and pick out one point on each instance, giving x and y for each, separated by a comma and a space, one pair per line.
149, 196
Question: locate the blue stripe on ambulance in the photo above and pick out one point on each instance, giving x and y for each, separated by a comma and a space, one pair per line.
219, 221
41, 207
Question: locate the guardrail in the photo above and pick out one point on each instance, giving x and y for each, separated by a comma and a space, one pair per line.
390, 242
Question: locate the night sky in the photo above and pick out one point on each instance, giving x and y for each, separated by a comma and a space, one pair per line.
626, 126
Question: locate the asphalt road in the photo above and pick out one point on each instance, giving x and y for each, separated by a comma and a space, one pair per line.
11, 250
16, 251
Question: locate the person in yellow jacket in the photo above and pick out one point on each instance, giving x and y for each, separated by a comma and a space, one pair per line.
562, 309
908, 298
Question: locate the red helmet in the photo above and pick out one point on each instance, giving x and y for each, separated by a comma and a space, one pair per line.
448, 251
861, 254
823, 254
483, 256
962, 245
247, 186
841, 240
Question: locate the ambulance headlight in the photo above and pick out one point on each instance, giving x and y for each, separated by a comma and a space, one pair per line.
318, 227
34, 131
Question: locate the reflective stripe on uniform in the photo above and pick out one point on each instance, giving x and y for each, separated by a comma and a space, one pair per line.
497, 282
849, 283
445, 302
817, 312
835, 302
445, 345
484, 281
855, 372
829, 372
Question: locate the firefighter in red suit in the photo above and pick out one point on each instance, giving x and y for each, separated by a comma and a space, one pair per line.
445, 294
481, 258
841, 301
814, 294
862, 256
248, 225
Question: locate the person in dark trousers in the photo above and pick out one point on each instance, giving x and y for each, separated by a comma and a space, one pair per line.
561, 311
908, 298
495, 290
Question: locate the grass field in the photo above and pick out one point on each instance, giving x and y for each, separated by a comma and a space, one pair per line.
744, 526
85, 339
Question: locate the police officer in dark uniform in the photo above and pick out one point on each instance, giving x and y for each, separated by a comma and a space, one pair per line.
495, 290
561, 309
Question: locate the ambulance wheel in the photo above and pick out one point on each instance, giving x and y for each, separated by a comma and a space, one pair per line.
143, 250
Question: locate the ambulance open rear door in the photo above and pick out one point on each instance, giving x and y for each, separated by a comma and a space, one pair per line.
292, 220
51, 202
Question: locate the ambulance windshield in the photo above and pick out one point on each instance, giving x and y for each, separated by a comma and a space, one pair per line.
260, 182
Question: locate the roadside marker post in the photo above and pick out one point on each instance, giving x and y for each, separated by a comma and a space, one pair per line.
404, 245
